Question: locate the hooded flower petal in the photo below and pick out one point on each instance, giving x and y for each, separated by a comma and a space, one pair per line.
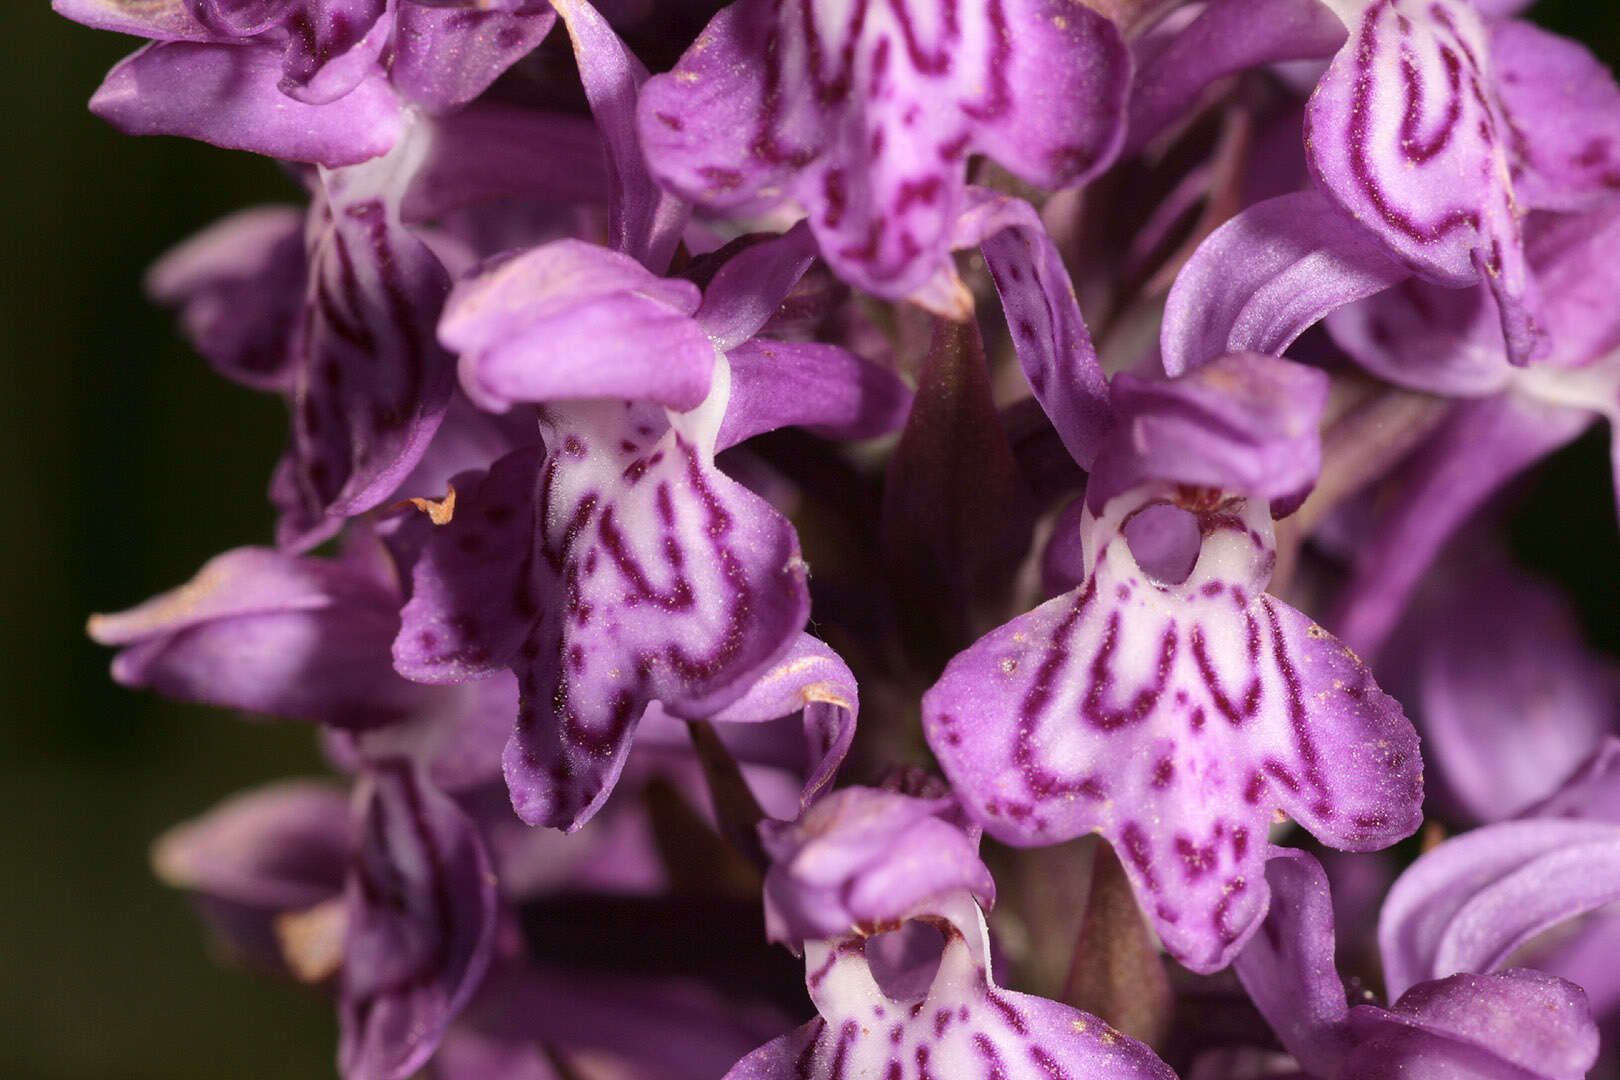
574, 320
777, 384
1175, 718
230, 96
1426, 337
748, 287
962, 1024
331, 46
865, 114
1591, 792
1449, 341
1406, 134
1224, 39
421, 922
863, 858
1466, 905
1244, 422
269, 633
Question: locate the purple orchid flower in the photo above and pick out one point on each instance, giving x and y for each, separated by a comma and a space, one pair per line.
1170, 704
1430, 136
872, 862
324, 81
258, 865
619, 566
1512, 1024
862, 858
341, 321
395, 898
420, 910
865, 114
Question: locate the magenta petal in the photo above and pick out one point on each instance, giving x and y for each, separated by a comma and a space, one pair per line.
751, 285
1049, 335
646, 221
1449, 341
269, 633
700, 124
470, 606
1244, 423
1426, 337
1405, 133
372, 382
456, 736
1562, 108
162, 20
1288, 968
1226, 38
962, 1025
1260, 280
1591, 791
239, 285
661, 578
281, 847
1067, 75
1491, 1027
1479, 447
1175, 719
256, 857
421, 923
490, 151
779, 384
813, 680
1511, 698
334, 46
446, 55
1467, 904
571, 320
229, 95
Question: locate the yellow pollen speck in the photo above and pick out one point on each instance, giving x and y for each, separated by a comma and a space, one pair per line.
687, 76
439, 511
1060, 22
1079, 1025
1009, 665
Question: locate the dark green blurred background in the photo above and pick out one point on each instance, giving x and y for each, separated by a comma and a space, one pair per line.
130, 464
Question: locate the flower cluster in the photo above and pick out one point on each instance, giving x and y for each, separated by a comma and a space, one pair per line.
588, 369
